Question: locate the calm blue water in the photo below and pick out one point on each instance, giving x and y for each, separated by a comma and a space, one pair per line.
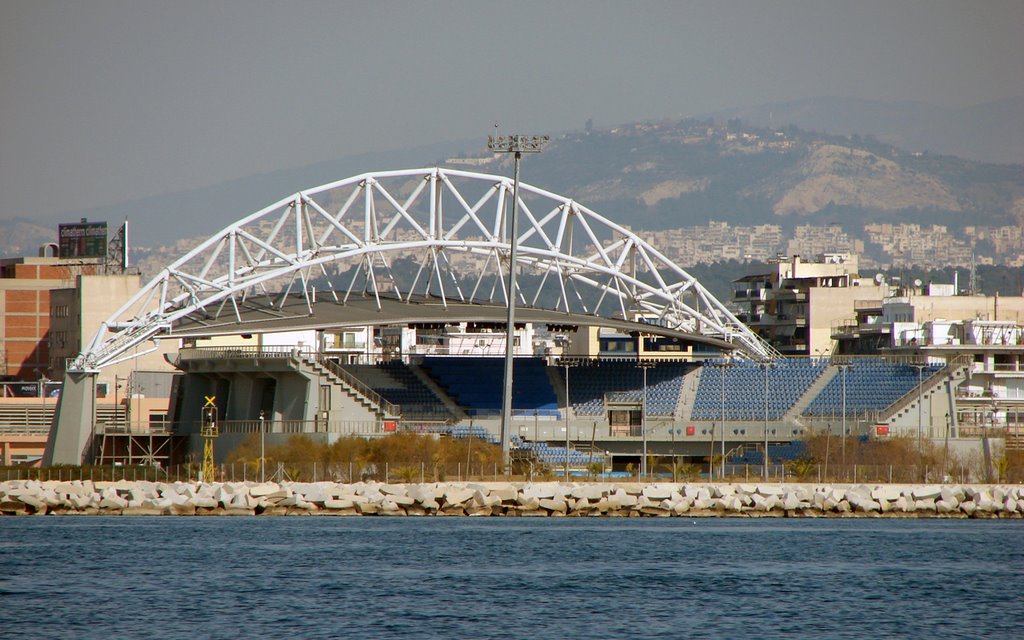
115, 577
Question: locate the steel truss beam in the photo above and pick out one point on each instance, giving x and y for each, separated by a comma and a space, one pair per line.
453, 227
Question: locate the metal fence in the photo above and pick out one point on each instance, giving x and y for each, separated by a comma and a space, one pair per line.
353, 471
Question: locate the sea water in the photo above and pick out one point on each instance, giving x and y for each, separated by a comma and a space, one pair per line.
366, 577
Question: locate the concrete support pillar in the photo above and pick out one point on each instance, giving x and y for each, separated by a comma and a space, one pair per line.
244, 401
71, 432
294, 393
193, 390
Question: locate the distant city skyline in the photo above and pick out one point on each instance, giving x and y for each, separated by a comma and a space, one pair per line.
109, 101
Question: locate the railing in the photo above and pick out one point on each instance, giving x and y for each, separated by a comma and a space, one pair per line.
908, 359
388, 408
133, 430
866, 305
355, 427
221, 353
352, 470
1003, 367
24, 429
844, 328
425, 426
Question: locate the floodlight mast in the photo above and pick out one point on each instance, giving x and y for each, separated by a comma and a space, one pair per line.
517, 145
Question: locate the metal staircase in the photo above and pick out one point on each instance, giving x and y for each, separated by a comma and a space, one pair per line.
352, 386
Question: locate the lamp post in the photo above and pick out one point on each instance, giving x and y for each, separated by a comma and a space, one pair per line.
517, 145
945, 450
843, 368
263, 455
725, 368
567, 450
643, 423
920, 420
567, 404
765, 365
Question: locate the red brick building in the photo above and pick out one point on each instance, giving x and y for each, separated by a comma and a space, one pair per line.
25, 285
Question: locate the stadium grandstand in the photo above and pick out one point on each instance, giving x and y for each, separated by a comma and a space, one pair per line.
357, 308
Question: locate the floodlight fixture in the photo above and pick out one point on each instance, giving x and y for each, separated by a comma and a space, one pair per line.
517, 143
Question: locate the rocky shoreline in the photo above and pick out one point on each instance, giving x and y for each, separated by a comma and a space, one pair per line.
544, 499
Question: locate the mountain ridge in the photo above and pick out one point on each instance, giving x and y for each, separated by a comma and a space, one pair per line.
986, 132
653, 175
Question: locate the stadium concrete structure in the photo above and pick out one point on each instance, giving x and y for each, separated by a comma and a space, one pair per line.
650, 360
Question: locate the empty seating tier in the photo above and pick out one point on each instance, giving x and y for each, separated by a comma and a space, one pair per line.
396, 383
555, 456
777, 453
590, 384
872, 384
743, 384
476, 384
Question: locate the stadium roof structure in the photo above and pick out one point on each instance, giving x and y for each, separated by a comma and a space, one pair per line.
364, 311
426, 243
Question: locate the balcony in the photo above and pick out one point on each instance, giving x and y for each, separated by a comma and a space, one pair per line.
790, 319
790, 295
845, 330
868, 305
999, 369
749, 294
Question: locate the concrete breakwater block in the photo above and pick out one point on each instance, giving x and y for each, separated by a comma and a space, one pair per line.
549, 499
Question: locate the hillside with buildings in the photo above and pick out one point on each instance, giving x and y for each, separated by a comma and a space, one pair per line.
710, 192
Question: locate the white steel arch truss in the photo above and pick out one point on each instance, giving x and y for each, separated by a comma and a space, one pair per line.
448, 231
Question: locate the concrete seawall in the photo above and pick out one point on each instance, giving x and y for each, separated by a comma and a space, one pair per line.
545, 499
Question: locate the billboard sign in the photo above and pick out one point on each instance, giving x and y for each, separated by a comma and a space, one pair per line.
83, 239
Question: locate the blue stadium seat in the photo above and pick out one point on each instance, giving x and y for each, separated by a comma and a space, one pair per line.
872, 384
589, 384
395, 382
476, 384
744, 381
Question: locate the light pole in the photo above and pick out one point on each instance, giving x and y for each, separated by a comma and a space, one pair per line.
263, 455
945, 450
843, 368
567, 450
765, 365
920, 421
725, 368
517, 145
566, 364
643, 423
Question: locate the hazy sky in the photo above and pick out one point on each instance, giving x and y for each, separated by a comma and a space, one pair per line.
107, 101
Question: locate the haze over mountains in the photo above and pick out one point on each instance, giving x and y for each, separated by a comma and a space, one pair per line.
990, 132
817, 161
